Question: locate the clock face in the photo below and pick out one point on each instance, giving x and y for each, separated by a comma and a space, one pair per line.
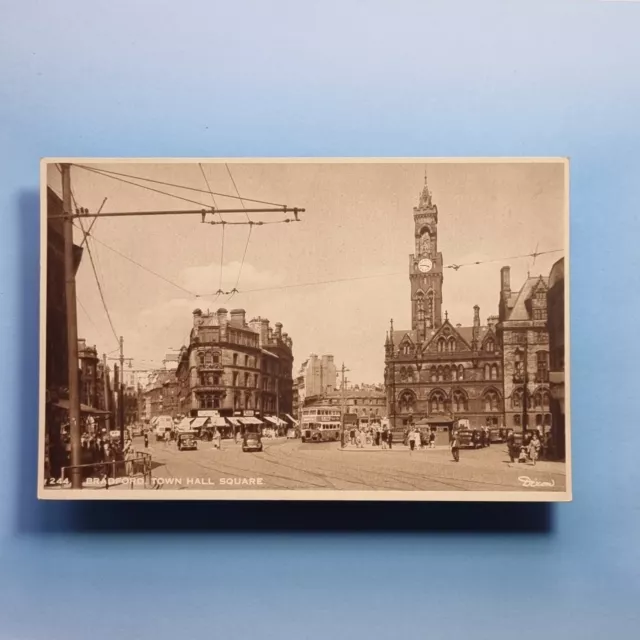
425, 265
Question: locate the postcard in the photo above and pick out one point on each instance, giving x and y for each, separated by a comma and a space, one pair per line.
387, 329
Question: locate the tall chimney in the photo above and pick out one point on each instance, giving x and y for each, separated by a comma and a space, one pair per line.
278, 331
505, 280
475, 341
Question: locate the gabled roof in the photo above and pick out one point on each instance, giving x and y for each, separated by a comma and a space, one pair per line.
456, 332
519, 309
398, 336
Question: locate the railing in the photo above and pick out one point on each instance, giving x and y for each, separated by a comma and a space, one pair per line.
134, 471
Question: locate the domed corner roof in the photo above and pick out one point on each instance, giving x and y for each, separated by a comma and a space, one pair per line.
557, 273
197, 312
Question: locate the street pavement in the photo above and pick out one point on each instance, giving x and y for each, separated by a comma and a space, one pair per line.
291, 464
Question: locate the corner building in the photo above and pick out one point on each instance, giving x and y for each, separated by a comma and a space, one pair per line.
235, 367
524, 334
436, 371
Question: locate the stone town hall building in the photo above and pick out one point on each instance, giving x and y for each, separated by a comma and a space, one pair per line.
435, 370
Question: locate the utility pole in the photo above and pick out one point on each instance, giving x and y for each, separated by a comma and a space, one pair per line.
525, 389
72, 332
121, 394
342, 402
107, 398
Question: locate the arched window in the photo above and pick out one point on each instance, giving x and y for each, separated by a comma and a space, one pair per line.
447, 373
490, 345
430, 308
460, 372
437, 402
542, 366
440, 374
459, 401
246, 379
538, 420
494, 371
537, 400
208, 359
491, 401
441, 345
451, 344
406, 348
547, 420
434, 374
516, 399
545, 400
247, 402
516, 420
201, 359
517, 363
487, 372
407, 401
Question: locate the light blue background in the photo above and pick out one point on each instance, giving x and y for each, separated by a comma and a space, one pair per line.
332, 78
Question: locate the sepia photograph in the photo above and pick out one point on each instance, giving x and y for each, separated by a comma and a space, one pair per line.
305, 329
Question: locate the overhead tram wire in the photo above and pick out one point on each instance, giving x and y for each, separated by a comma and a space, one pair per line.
108, 173
93, 266
381, 275
246, 246
147, 269
222, 222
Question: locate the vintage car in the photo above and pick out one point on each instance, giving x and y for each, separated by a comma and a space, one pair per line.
187, 440
252, 438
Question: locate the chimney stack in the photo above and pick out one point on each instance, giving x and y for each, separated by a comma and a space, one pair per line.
278, 331
222, 316
237, 317
505, 280
475, 340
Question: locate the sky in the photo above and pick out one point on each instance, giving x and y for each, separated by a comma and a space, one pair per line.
334, 279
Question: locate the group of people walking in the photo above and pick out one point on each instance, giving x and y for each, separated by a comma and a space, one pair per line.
98, 457
373, 435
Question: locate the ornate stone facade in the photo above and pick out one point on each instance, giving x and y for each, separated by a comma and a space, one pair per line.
438, 370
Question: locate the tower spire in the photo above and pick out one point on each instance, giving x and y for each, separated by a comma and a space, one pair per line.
425, 196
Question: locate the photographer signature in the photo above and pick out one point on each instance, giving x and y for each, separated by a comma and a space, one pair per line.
532, 483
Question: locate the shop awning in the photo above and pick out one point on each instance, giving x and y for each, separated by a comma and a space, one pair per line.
196, 423
293, 420
218, 421
234, 421
271, 419
84, 408
250, 421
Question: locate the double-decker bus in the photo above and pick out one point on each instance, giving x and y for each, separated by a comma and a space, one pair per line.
320, 424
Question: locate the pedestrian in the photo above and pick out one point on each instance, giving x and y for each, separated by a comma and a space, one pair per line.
432, 439
377, 432
128, 456
352, 435
455, 446
511, 445
384, 438
390, 438
412, 436
219, 439
534, 448
146, 440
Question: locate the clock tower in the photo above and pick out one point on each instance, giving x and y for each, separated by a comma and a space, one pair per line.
425, 267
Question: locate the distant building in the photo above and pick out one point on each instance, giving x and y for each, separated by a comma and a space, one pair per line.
235, 367
556, 326
316, 376
368, 402
91, 376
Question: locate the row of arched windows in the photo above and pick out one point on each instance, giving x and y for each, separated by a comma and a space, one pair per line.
537, 400
438, 401
539, 420
446, 345
449, 373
